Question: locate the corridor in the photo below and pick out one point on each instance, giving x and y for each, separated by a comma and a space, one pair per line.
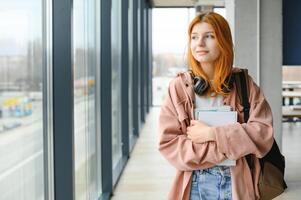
148, 176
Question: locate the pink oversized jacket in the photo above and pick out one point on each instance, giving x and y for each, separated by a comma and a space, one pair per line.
233, 141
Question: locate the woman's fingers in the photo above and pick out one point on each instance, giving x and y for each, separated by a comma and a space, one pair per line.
193, 122
190, 137
196, 122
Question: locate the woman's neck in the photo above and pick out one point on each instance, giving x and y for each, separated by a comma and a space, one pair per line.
208, 68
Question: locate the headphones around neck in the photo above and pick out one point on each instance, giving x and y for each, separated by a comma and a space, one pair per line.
200, 85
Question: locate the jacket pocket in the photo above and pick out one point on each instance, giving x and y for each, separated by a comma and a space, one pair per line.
182, 116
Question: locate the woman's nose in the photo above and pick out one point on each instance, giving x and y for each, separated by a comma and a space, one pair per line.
201, 42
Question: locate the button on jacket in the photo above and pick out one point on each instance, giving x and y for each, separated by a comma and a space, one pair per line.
233, 141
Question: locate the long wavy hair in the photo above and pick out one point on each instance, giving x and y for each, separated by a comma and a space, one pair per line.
224, 63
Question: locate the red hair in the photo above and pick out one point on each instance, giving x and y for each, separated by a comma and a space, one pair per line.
224, 63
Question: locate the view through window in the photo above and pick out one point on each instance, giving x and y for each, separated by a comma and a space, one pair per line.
169, 47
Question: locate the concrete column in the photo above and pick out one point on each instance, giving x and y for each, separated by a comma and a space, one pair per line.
242, 15
271, 59
257, 29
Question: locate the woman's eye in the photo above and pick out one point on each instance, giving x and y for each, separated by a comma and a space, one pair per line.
210, 36
194, 37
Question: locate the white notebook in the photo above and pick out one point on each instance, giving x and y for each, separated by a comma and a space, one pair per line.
215, 117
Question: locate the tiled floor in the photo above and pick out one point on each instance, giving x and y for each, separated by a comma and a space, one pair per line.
291, 148
148, 176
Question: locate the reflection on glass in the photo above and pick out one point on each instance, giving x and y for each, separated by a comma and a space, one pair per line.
21, 111
85, 60
116, 81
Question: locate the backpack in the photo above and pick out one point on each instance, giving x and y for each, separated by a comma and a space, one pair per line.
271, 180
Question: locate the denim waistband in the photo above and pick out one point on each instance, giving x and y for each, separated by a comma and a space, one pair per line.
216, 170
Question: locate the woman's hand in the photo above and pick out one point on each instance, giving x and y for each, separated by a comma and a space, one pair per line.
200, 132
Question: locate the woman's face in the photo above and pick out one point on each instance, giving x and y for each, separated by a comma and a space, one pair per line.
203, 43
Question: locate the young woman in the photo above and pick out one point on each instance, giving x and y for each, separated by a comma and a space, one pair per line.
198, 151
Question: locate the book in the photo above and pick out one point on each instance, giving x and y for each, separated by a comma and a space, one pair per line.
216, 116
214, 108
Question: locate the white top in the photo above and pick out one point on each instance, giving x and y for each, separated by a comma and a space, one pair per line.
206, 101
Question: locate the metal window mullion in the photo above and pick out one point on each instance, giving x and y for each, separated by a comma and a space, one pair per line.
106, 104
136, 109
146, 58
142, 58
125, 79
63, 101
47, 101
98, 97
150, 54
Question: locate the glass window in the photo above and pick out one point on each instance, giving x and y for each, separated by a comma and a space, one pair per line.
116, 82
221, 11
86, 36
21, 103
169, 57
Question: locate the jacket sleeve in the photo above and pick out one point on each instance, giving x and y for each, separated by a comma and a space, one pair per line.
254, 137
176, 147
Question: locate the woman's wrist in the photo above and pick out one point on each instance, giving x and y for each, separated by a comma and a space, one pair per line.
211, 135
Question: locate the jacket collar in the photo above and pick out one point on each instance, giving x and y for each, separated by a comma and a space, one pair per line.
187, 84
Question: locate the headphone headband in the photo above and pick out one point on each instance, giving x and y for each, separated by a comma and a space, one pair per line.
201, 85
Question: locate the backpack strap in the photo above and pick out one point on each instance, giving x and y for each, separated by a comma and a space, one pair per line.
242, 87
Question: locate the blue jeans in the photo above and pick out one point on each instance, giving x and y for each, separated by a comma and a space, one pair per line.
211, 184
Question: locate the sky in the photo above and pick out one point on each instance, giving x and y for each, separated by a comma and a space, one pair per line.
169, 26
20, 21
169, 29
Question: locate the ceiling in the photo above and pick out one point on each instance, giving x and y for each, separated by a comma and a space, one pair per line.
186, 3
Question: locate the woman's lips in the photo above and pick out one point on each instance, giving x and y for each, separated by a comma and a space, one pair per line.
202, 52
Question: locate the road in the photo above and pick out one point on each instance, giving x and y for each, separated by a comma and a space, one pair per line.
21, 153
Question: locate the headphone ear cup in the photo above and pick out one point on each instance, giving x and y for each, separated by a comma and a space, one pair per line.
200, 85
